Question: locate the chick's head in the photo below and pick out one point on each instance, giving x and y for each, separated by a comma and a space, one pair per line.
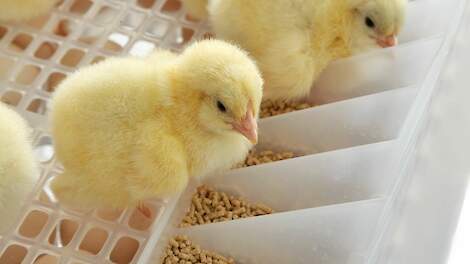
227, 85
376, 23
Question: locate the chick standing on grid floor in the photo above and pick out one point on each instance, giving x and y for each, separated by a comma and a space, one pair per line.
18, 169
129, 129
15, 10
294, 40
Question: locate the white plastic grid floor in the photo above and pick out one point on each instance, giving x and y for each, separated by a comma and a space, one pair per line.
34, 57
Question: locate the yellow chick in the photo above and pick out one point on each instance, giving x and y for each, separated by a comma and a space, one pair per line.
128, 129
294, 40
18, 169
15, 10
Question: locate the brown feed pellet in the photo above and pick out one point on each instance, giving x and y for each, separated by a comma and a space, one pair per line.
210, 206
255, 158
273, 108
181, 250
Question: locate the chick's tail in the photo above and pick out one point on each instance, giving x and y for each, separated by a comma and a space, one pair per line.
197, 8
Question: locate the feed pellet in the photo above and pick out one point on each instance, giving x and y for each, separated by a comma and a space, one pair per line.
210, 206
255, 158
273, 108
181, 250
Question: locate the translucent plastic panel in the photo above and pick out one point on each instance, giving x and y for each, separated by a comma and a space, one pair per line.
375, 72
348, 175
327, 235
440, 178
344, 124
426, 18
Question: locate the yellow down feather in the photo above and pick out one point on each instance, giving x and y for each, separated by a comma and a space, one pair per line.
294, 40
18, 168
129, 129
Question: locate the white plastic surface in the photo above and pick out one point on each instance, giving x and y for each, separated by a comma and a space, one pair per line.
334, 204
357, 121
330, 235
431, 201
342, 176
377, 71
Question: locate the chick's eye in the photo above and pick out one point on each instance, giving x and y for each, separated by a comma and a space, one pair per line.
369, 22
221, 107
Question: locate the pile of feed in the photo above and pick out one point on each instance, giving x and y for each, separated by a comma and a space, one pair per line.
273, 108
210, 206
182, 250
255, 158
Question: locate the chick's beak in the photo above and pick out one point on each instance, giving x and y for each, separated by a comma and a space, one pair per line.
388, 41
248, 126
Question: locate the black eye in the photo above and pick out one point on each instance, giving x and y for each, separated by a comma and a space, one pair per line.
221, 107
369, 22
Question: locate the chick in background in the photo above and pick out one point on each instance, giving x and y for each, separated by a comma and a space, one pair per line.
129, 129
18, 168
16, 10
293, 41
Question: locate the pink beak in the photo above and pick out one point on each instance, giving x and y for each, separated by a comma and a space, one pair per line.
388, 41
248, 126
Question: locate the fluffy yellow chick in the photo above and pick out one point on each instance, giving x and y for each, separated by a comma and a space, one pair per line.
14, 10
128, 129
294, 40
18, 170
